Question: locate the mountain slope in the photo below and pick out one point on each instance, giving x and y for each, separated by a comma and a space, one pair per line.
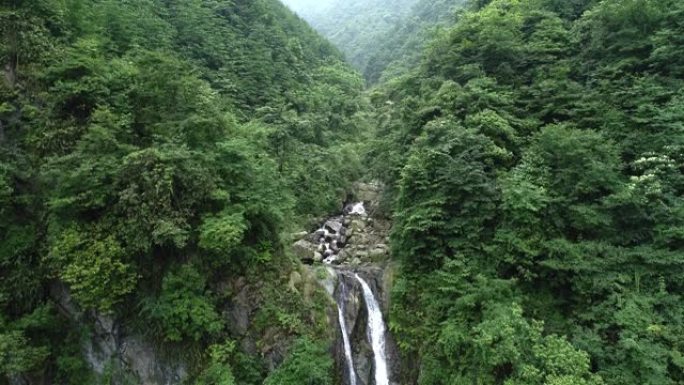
375, 35
152, 153
535, 158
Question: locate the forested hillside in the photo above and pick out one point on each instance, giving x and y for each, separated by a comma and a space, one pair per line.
402, 46
378, 34
151, 153
359, 27
535, 163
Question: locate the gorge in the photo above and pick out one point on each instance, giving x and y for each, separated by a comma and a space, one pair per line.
209, 192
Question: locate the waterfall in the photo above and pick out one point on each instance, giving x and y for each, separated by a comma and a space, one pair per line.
345, 338
376, 331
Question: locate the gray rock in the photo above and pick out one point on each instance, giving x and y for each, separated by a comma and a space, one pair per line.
318, 257
343, 256
361, 239
334, 225
320, 235
304, 250
377, 254
361, 254
299, 235
357, 225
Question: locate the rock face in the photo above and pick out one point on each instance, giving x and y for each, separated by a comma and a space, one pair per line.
129, 357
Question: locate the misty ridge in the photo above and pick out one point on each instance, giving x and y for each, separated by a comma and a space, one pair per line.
378, 36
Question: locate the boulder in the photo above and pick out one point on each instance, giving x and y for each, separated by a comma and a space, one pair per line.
299, 235
318, 257
334, 225
361, 254
360, 239
377, 254
342, 256
357, 225
304, 250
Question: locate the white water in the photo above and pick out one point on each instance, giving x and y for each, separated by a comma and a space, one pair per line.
347, 344
358, 209
376, 331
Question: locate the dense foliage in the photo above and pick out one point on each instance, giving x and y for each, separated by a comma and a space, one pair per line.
153, 153
150, 150
535, 163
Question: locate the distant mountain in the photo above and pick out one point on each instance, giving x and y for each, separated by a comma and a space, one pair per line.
377, 34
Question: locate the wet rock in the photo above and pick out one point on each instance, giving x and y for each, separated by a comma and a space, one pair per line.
334, 225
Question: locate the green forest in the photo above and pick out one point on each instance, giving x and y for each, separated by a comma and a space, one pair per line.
157, 155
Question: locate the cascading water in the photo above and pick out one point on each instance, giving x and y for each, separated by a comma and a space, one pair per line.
358, 209
345, 338
376, 331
